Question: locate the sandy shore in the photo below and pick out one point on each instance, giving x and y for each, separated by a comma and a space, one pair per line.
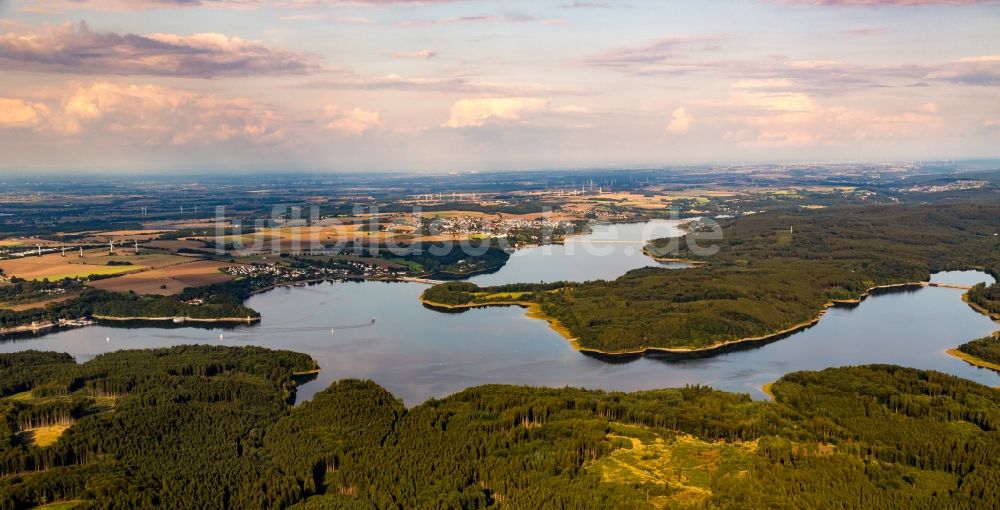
767, 390
972, 360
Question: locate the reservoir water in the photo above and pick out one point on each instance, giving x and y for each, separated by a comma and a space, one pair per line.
607, 252
418, 353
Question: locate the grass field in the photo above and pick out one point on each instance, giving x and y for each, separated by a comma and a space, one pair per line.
86, 270
501, 295
44, 436
685, 463
60, 505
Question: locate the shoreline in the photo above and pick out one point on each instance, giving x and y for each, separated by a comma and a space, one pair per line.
980, 309
531, 310
28, 328
35, 327
766, 389
972, 360
718, 346
672, 260
181, 319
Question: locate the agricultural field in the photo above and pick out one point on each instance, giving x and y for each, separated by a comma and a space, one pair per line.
55, 267
20, 307
175, 244
23, 241
125, 236
94, 262
168, 280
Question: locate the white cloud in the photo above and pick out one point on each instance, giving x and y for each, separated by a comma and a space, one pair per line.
680, 122
143, 114
477, 112
778, 102
795, 119
353, 122
419, 55
18, 114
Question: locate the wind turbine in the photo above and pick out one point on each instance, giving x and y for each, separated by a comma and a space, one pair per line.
111, 246
39, 249
136, 246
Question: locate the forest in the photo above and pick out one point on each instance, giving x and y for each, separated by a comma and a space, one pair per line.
221, 301
772, 272
986, 297
443, 261
985, 349
214, 427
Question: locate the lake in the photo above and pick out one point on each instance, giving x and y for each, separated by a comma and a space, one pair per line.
607, 252
418, 353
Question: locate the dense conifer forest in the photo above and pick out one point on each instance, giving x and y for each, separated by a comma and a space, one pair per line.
214, 427
772, 272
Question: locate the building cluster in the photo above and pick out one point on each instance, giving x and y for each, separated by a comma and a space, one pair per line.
952, 186
332, 269
501, 227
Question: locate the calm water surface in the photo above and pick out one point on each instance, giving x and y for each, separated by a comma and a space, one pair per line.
609, 251
418, 353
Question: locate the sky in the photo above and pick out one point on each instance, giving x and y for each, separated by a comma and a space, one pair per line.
458, 85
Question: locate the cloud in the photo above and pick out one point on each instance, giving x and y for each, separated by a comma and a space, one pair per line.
141, 5
450, 85
353, 122
481, 18
686, 55
419, 55
596, 5
981, 70
144, 114
777, 102
886, 3
75, 48
868, 31
477, 112
652, 54
680, 122
795, 119
18, 114
374, 3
